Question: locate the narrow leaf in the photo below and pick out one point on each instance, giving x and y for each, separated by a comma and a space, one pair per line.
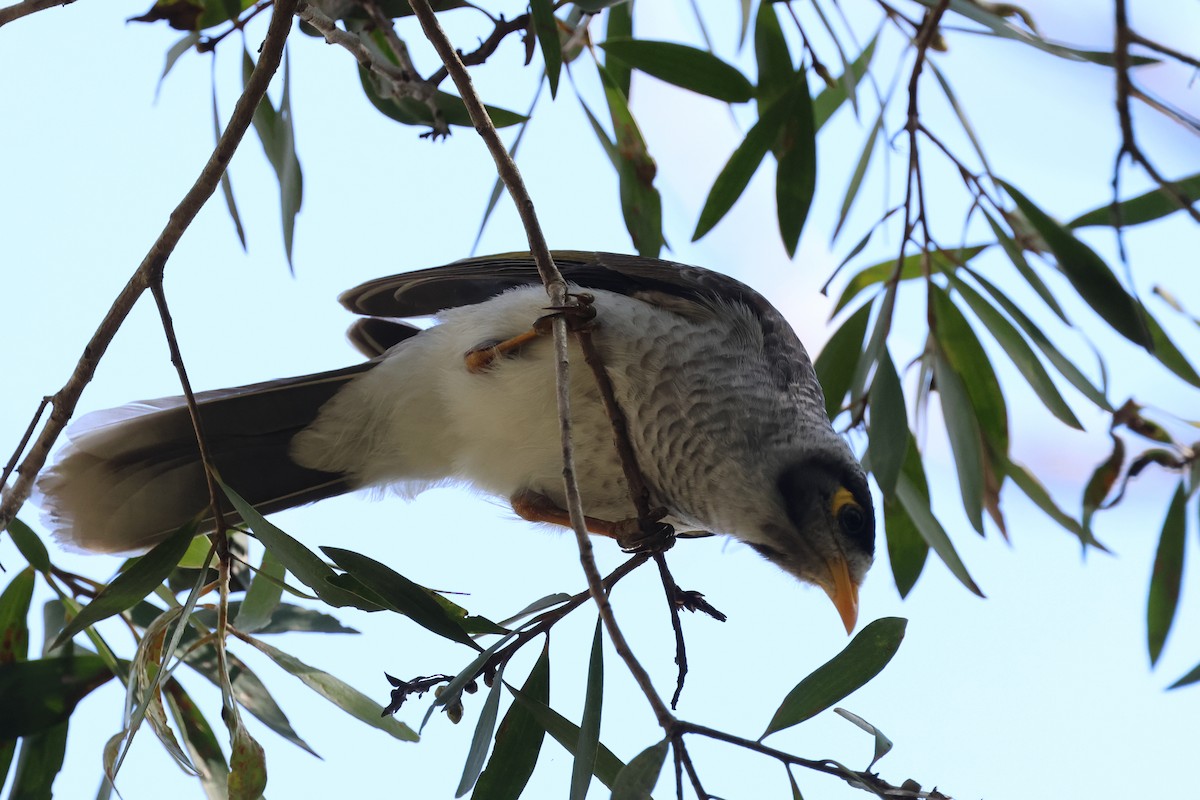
399, 594
888, 431
201, 742
1017, 256
637, 779
796, 168
40, 694
482, 739
1060, 362
128, 588
619, 26
838, 359
918, 509
1088, 273
686, 67
911, 267
743, 163
1019, 352
1152, 205
518, 740
29, 545
641, 203
566, 733
589, 729
298, 559
883, 744
1102, 480
545, 25
1028, 483
14, 615
830, 100
262, 598
341, 694
861, 660
39, 763
1167, 577
226, 183
775, 68
966, 440
907, 549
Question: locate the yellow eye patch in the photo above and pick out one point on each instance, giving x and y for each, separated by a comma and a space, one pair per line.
842, 498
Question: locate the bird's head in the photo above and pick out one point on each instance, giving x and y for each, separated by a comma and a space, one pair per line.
828, 536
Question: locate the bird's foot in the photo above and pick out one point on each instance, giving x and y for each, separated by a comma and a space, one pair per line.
644, 535
694, 601
579, 316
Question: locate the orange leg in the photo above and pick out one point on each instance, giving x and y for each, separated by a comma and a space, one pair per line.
629, 534
481, 357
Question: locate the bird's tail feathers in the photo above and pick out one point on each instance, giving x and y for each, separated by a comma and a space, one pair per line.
132, 475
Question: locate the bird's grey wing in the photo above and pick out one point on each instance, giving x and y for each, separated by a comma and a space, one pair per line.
670, 284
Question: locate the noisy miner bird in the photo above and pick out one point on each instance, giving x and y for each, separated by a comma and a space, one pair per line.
724, 410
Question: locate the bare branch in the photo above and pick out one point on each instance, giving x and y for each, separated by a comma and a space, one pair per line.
556, 288
14, 12
489, 45
65, 400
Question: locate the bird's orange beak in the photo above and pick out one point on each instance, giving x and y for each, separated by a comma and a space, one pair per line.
843, 592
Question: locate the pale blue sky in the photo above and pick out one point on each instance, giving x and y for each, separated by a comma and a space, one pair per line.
1043, 689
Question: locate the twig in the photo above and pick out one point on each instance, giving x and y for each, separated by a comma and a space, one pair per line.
1129, 146
220, 541
12, 462
14, 12
395, 43
556, 288
672, 590
488, 46
67, 397
400, 81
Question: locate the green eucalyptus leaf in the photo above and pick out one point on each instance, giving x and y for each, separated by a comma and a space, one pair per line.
619, 25
831, 99
566, 733
1019, 352
775, 68
545, 26
681, 65
743, 163
1035, 491
861, 660
262, 598
40, 694
1147, 207
482, 738
860, 171
917, 506
796, 168
29, 545
641, 204
143, 575
1088, 273
838, 359
298, 559
336, 691
14, 615
637, 779
200, 740
247, 763
589, 729
1060, 362
1167, 577
966, 439
907, 549
889, 436
397, 593
518, 740
911, 267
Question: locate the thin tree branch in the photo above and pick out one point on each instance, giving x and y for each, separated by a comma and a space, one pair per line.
18, 10
489, 45
65, 400
219, 540
556, 288
402, 81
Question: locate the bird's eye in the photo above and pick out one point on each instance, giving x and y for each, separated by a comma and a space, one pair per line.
852, 519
